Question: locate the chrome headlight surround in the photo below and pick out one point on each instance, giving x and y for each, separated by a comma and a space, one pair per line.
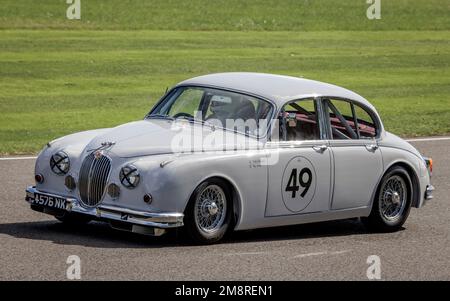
60, 163
129, 176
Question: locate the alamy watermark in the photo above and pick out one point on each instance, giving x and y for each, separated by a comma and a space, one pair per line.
374, 9
229, 136
374, 270
73, 271
73, 12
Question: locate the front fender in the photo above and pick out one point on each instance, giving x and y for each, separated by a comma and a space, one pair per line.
172, 184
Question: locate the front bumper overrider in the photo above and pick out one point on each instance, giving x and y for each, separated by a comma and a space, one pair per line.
143, 222
429, 192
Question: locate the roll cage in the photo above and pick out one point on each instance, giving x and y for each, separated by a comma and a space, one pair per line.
330, 121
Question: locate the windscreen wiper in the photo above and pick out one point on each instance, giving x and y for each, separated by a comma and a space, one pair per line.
160, 116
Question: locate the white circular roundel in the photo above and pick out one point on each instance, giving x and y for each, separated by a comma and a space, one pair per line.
299, 184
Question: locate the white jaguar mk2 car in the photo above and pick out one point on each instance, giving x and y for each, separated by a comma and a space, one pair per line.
235, 151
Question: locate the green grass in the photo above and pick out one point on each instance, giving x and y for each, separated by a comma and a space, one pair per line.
59, 76
250, 15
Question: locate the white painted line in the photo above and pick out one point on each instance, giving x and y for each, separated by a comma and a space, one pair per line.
310, 254
340, 252
428, 139
17, 158
321, 253
247, 253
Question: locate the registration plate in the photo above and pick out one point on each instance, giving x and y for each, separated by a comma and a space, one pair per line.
49, 201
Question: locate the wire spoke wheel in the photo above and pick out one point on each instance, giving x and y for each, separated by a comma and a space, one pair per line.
393, 198
210, 208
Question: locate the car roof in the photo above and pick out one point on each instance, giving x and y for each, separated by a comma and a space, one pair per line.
278, 88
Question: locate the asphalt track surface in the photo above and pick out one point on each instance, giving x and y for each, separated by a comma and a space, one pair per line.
34, 246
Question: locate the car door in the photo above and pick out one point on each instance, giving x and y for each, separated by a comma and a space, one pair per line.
300, 177
356, 157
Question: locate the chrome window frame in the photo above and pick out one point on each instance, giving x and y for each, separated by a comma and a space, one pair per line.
320, 122
327, 122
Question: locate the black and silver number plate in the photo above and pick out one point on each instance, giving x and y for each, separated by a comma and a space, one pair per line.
49, 201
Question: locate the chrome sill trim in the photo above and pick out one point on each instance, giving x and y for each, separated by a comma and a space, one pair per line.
162, 220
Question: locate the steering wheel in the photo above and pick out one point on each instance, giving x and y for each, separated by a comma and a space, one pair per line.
183, 114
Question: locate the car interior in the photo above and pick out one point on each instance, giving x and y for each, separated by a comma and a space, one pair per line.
347, 121
232, 106
300, 121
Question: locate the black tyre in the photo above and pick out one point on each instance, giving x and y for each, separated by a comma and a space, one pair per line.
209, 211
73, 219
392, 202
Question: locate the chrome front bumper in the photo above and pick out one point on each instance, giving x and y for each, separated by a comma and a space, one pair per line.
143, 222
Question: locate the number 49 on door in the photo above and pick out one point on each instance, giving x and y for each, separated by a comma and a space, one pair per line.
294, 186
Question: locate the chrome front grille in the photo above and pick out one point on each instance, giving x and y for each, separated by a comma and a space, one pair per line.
93, 179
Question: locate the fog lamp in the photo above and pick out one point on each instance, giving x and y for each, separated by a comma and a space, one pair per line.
113, 190
70, 183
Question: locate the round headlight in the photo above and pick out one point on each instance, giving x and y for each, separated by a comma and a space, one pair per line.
60, 163
129, 176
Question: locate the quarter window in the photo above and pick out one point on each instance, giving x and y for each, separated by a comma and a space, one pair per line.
349, 121
366, 125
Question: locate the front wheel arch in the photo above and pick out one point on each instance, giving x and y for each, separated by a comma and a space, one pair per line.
375, 221
192, 228
415, 189
235, 197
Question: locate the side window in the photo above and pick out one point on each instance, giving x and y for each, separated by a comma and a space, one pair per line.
349, 121
298, 121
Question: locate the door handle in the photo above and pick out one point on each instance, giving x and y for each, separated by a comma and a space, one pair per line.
372, 147
320, 148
